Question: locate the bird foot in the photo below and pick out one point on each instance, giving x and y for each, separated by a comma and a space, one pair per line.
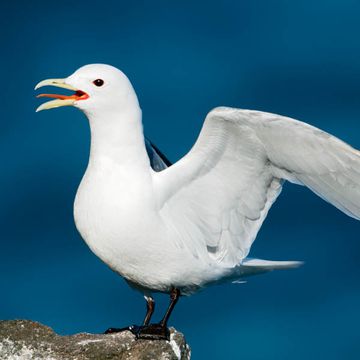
152, 332
147, 332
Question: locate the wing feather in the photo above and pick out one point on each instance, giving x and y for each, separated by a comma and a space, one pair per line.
219, 194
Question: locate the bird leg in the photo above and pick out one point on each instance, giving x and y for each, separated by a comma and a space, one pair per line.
174, 297
150, 307
160, 330
157, 331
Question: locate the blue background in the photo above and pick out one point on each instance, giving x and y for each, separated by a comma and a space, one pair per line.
297, 58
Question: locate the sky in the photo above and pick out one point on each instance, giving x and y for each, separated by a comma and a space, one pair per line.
295, 58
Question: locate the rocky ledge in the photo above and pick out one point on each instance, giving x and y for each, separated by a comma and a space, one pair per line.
29, 340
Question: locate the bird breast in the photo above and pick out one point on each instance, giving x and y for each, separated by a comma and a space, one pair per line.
113, 213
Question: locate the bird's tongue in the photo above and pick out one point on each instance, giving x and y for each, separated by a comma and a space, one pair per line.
78, 95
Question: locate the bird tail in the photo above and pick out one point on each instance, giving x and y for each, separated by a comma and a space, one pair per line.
251, 266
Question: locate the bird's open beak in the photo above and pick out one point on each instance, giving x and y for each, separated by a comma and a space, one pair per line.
61, 100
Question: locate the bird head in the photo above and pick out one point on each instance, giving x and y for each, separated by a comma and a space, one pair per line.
94, 87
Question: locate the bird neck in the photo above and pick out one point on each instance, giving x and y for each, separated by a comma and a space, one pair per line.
118, 136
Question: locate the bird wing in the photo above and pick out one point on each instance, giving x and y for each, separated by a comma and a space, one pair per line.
158, 160
217, 196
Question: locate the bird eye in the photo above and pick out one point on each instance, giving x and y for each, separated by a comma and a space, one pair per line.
98, 82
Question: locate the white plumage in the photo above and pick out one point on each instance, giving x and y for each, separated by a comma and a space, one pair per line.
224, 187
194, 222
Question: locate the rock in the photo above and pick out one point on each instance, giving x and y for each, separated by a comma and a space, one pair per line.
29, 340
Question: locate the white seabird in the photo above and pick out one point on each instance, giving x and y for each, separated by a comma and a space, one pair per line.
191, 224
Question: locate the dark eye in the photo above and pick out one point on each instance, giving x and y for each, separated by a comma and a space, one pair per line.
98, 82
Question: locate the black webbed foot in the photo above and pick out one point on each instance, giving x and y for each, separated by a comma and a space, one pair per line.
152, 332
148, 332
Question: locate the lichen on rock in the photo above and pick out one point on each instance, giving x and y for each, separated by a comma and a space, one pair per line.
29, 340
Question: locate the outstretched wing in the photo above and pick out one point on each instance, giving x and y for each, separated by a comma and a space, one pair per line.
218, 195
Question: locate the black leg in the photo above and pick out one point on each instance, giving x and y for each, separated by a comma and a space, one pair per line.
150, 307
148, 331
174, 297
160, 331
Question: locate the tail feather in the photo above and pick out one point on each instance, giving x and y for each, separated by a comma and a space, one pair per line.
251, 267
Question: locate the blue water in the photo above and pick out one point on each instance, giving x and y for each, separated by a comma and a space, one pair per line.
298, 58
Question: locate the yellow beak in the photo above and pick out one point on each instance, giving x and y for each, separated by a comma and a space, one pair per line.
61, 100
